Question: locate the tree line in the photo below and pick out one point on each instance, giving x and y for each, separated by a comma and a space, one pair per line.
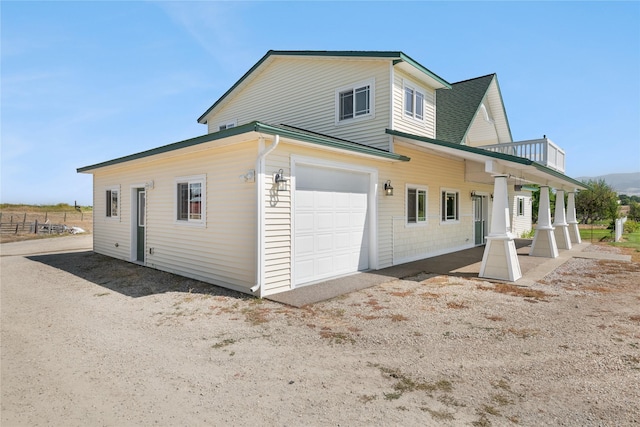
599, 202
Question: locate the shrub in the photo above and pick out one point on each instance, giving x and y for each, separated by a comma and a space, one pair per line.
631, 226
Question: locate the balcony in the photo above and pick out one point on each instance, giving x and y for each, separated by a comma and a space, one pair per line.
542, 151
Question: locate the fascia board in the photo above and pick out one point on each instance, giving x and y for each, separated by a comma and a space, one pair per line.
478, 154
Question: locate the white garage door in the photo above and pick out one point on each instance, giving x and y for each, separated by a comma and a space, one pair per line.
331, 223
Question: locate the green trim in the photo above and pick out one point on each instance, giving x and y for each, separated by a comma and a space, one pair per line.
460, 147
423, 69
282, 130
399, 57
482, 152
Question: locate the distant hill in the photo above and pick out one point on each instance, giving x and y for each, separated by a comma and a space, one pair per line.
622, 183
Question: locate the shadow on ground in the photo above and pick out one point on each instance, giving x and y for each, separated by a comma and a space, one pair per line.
127, 278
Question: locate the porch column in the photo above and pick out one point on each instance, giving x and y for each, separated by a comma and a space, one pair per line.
544, 241
574, 233
561, 228
500, 259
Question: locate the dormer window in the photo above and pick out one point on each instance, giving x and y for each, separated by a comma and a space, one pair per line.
413, 101
354, 101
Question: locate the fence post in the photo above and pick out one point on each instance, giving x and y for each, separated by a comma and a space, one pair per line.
81, 216
35, 228
24, 220
17, 225
65, 218
46, 215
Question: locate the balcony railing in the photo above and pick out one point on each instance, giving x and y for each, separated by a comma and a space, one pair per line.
543, 151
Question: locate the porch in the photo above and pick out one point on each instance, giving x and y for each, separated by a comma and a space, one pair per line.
465, 263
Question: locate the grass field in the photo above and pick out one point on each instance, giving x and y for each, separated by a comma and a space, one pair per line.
23, 215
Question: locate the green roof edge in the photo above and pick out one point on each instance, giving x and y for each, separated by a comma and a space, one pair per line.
488, 153
252, 127
339, 53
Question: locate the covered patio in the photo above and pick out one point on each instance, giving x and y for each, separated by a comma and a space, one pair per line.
466, 263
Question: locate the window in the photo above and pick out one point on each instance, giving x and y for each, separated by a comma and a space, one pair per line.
450, 206
520, 205
416, 205
112, 203
190, 199
354, 101
413, 102
227, 125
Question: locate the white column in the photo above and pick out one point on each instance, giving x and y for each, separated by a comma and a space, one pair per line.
574, 233
561, 228
544, 241
500, 259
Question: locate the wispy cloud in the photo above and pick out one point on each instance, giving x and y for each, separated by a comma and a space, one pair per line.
217, 27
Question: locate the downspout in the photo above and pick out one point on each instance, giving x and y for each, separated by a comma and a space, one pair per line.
260, 180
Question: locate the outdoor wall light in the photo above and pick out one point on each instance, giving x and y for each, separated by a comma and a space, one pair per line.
473, 194
388, 189
280, 180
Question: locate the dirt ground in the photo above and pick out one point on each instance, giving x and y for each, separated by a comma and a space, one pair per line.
88, 340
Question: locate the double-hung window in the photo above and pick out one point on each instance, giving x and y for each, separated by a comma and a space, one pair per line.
190, 199
112, 202
416, 205
354, 101
413, 102
450, 206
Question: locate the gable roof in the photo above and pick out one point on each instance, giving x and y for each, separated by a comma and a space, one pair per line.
284, 131
397, 57
458, 106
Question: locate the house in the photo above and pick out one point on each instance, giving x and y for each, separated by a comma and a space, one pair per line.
319, 164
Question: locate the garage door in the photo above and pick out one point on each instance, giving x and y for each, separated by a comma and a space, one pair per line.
331, 231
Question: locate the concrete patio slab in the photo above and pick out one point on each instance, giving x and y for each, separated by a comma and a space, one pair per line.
465, 263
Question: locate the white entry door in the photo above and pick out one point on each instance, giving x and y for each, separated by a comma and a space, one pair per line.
331, 232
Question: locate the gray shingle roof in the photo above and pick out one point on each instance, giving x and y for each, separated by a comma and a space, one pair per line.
456, 107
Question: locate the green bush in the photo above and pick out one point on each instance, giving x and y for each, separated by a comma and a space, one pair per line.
631, 226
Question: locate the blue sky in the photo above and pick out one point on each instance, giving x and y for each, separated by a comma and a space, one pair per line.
84, 82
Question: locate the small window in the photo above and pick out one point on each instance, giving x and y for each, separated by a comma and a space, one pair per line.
227, 125
520, 205
190, 199
354, 101
413, 102
450, 206
112, 203
416, 205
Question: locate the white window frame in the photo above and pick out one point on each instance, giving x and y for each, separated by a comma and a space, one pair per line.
108, 209
520, 205
227, 125
354, 87
190, 180
444, 214
418, 189
416, 91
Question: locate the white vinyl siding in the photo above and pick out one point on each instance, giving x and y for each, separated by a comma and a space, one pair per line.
223, 251
301, 92
396, 241
403, 85
521, 213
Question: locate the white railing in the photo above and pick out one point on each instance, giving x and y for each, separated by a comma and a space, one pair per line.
543, 151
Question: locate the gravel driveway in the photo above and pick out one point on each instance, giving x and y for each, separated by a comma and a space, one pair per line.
89, 340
